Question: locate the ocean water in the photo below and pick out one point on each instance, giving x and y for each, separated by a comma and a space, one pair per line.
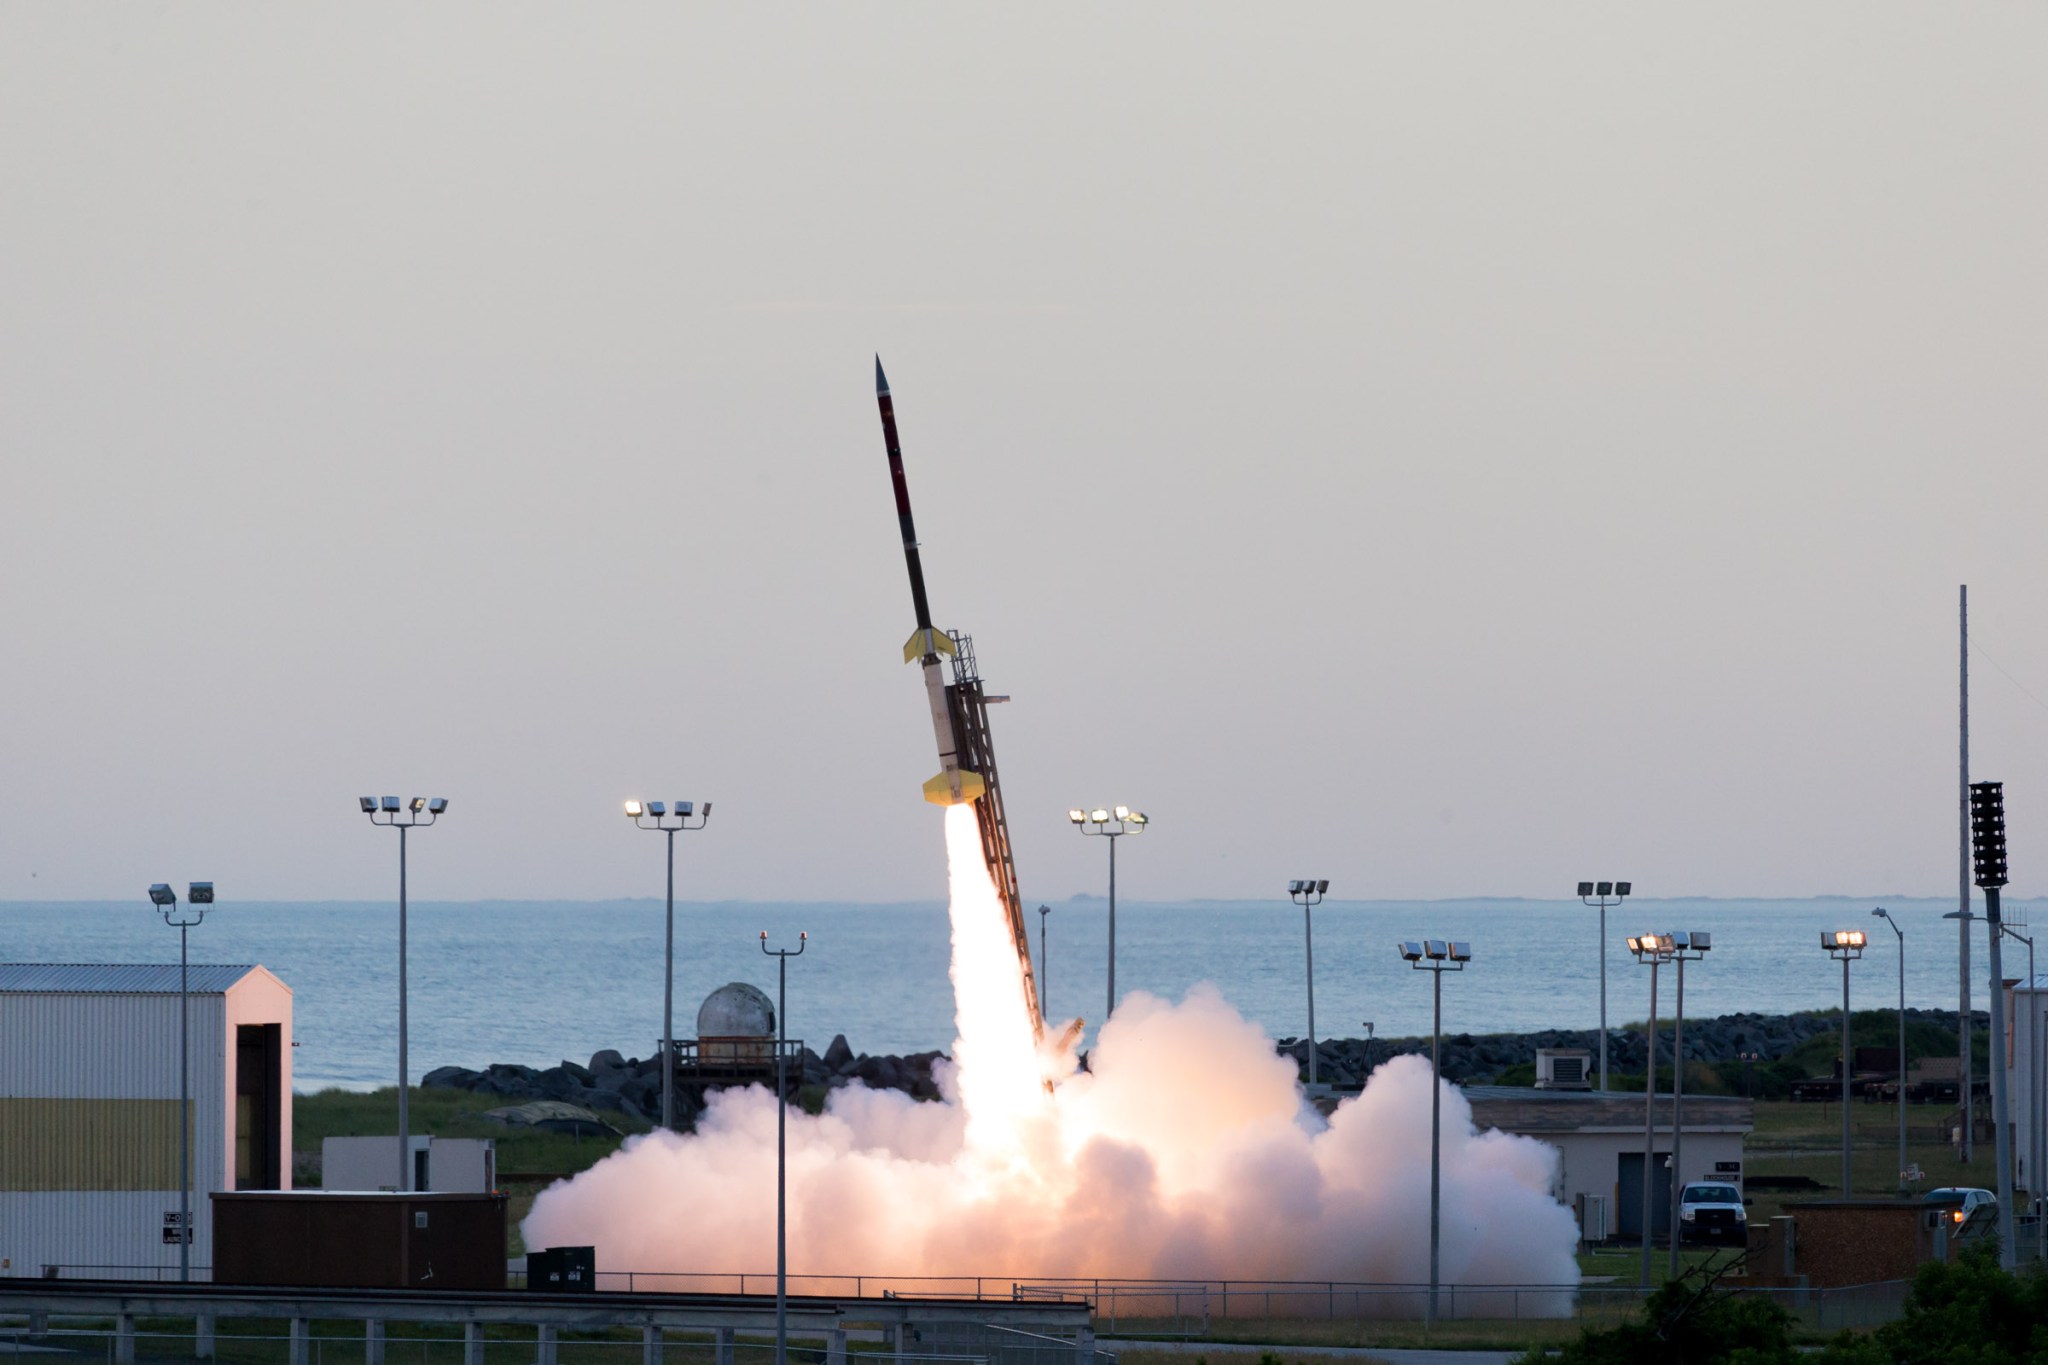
539, 982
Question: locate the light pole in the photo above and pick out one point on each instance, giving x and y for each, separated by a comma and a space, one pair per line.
419, 811
1603, 894
1652, 951
1100, 821
1847, 945
782, 957
1435, 956
197, 896
2033, 1075
1987, 855
1308, 893
1684, 948
1886, 916
640, 813
1044, 966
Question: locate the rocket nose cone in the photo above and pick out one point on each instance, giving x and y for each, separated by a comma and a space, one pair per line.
881, 380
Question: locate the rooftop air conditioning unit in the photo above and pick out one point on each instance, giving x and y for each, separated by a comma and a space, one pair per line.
1563, 1068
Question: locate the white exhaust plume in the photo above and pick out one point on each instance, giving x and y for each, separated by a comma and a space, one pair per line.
1186, 1152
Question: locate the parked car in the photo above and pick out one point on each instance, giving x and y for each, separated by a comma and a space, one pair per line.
1711, 1211
1970, 1199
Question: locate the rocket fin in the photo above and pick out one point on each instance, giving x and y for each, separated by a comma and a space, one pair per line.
927, 641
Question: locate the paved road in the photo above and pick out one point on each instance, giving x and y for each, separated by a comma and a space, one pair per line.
1391, 1355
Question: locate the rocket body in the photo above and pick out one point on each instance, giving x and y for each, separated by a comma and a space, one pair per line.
954, 784
967, 761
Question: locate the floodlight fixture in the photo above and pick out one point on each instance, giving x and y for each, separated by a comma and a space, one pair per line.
165, 900
1140, 819
1846, 946
669, 820
1435, 956
1307, 893
404, 816
1111, 823
1601, 895
1843, 942
1651, 947
1653, 951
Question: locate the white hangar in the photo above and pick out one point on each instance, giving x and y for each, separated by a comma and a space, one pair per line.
89, 1104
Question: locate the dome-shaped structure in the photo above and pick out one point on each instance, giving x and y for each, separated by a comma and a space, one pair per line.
736, 1010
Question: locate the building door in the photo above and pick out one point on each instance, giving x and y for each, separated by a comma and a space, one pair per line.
1629, 1196
259, 1098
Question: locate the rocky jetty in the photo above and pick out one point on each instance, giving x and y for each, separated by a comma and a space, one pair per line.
1346, 1062
632, 1085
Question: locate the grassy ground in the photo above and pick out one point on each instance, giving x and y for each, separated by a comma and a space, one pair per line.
447, 1113
1806, 1139
1624, 1263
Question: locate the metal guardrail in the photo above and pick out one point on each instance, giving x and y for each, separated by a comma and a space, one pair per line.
539, 1347
1191, 1308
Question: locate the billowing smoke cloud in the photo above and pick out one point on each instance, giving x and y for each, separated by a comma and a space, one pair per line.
1186, 1151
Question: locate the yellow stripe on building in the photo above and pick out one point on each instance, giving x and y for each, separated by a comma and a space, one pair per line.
87, 1144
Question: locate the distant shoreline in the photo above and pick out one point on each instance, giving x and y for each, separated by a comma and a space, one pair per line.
1079, 898
1466, 1057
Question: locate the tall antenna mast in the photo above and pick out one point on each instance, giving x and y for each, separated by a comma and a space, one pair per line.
1967, 1094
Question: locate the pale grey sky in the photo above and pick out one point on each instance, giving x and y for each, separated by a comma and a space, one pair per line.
1446, 449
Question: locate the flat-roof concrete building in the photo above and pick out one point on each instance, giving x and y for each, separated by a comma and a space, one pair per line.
89, 1105
1599, 1140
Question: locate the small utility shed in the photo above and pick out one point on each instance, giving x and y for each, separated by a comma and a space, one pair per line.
1599, 1140
89, 1110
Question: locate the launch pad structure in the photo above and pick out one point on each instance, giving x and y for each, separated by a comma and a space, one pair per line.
967, 760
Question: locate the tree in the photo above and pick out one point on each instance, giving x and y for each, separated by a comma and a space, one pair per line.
1687, 1323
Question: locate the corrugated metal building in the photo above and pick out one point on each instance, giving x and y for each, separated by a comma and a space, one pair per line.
89, 1110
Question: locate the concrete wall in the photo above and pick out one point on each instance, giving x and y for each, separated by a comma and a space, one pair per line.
454, 1165
260, 998
1860, 1241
